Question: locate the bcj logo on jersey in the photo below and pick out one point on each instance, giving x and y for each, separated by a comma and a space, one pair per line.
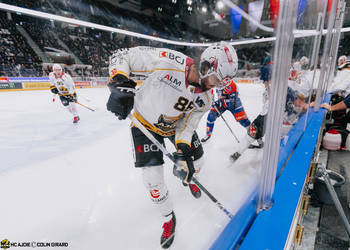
171, 56
163, 54
147, 148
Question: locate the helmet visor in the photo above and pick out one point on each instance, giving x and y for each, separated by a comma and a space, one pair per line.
207, 68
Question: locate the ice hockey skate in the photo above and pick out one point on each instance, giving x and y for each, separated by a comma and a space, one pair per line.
205, 138
76, 119
195, 191
260, 144
168, 234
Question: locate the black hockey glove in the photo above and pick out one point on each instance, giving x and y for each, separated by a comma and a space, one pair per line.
121, 100
71, 97
256, 129
54, 90
219, 105
185, 170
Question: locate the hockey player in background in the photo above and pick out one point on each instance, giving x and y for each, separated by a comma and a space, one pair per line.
228, 99
170, 104
301, 64
294, 106
341, 82
63, 85
299, 78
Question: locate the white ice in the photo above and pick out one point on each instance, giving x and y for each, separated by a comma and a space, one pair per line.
76, 183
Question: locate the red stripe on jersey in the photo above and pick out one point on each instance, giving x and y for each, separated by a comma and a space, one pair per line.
240, 115
224, 103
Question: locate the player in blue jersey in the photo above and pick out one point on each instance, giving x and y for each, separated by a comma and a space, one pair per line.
228, 100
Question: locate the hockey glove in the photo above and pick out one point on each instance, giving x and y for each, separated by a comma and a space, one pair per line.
54, 90
121, 100
71, 97
256, 129
184, 168
218, 104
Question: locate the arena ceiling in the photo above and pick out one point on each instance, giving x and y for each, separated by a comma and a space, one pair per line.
205, 16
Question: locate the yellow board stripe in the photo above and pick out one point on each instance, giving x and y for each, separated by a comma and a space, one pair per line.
84, 87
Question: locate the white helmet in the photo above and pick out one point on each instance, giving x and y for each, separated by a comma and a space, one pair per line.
341, 60
304, 61
220, 59
56, 67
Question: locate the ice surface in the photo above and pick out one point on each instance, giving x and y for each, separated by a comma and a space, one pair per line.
76, 183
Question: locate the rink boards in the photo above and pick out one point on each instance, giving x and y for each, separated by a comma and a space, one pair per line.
276, 228
43, 83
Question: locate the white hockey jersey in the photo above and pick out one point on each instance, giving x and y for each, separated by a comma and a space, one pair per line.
302, 85
341, 81
64, 84
165, 103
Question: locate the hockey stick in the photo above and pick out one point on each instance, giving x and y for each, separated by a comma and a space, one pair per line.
86, 99
85, 106
228, 126
171, 157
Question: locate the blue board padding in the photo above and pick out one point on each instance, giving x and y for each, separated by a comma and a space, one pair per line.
271, 227
240, 223
28, 79
289, 141
237, 226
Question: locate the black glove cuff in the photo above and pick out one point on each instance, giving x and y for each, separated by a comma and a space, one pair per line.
121, 81
54, 90
179, 156
185, 148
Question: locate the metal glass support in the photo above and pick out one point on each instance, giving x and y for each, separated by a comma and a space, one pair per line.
280, 72
325, 56
314, 57
322, 169
335, 42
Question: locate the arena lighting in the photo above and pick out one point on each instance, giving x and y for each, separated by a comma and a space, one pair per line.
204, 9
220, 5
12, 8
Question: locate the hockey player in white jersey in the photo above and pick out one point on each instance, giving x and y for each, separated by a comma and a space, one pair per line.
293, 107
63, 85
342, 80
170, 104
299, 78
